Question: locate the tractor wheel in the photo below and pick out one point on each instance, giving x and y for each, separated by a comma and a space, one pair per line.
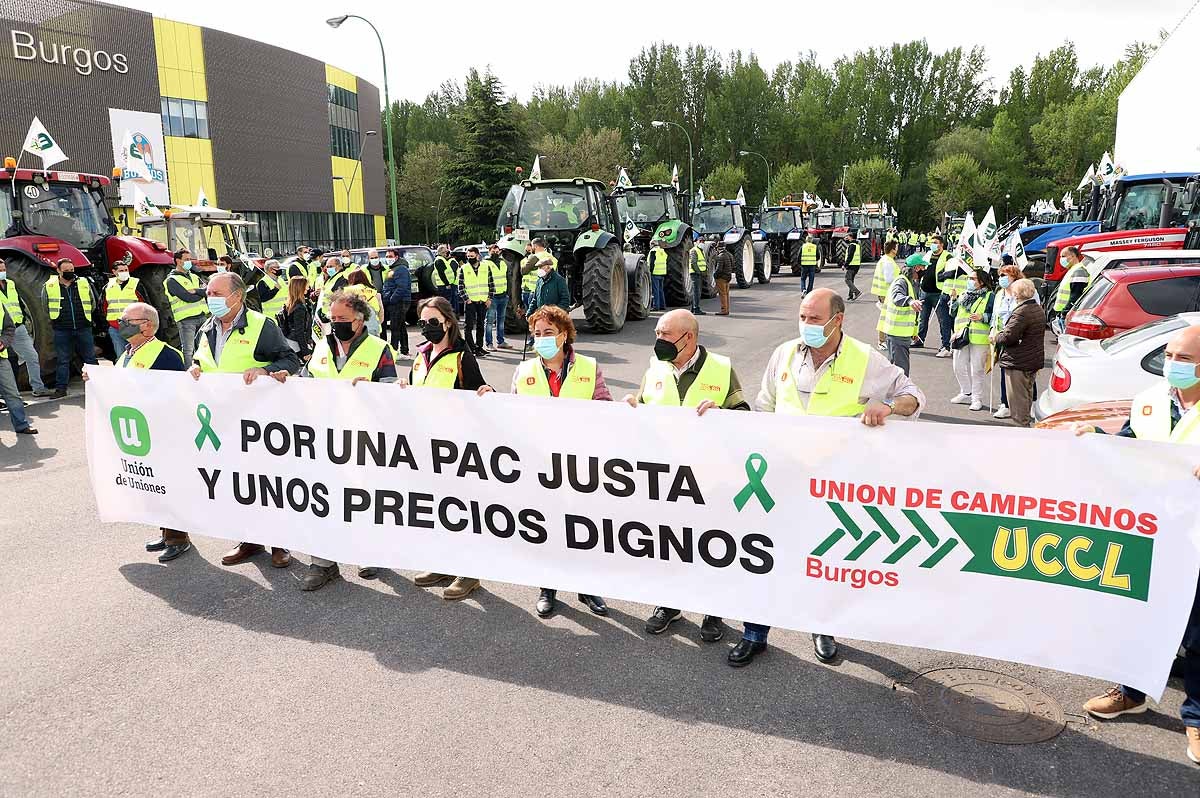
605, 289
514, 323
678, 283
29, 277
150, 283
764, 262
639, 290
793, 256
743, 261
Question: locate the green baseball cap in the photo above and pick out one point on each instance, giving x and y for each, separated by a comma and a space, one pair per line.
916, 259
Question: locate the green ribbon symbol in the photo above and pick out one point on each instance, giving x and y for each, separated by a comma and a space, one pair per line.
206, 433
756, 469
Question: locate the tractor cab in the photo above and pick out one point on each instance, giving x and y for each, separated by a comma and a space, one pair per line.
657, 211
208, 233
714, 219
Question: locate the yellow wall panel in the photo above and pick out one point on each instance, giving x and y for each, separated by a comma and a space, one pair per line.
179, 51
345, 168
340, 77
380, 231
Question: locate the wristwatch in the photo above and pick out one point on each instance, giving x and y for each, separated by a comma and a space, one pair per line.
891, 403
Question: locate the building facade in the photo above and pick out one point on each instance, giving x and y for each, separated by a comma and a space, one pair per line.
287, 140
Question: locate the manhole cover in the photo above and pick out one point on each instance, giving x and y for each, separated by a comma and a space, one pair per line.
987, 706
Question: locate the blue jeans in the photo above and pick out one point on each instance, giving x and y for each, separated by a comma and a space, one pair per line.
67, 343
808, 275
657, 282
495, 316
8, 392
755, 632
117, 341
1190, 711
697, 287
935, 302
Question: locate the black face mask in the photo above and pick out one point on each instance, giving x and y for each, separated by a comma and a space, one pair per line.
68, 276
666, 350
472, 260
433, 331
343, 330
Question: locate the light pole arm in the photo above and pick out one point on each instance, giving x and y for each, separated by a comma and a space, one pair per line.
387, 121
691, 173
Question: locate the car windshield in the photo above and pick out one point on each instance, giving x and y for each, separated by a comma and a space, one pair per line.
1138, 335
67, 212
417, 257
559, 208
713, 218
646, 207
778, 221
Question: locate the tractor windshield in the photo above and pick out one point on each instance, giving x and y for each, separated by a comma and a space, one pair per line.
558, 208
653, 206
839, 219
1139, 207
713, 219
778, 221
65, 211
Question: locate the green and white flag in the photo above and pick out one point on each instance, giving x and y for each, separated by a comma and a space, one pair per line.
987, 242
143, 205
201, 199
741, 196
623, 180
700, 194
1108, 169
675, 176
39, 142
632, 231
1015, 248
1088, 178
536, 172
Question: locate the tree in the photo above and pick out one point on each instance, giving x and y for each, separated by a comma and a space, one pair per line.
964, 140
481, 171
724, 181
420, 183
794, 179
657, 173
958, 184
873, 180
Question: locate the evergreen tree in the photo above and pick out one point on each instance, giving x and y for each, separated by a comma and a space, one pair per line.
490, 147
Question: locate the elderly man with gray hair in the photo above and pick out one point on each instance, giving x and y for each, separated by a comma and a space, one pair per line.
1022, 350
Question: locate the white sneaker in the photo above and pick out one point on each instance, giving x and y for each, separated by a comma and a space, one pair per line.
976, 405
961, 399
1002, 412
943, 353
883, 347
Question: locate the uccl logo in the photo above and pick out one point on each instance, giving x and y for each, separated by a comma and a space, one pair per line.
141, 149
130, 430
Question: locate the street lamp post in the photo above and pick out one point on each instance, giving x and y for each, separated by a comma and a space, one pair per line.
345, 186
1006, 196
767, 164
350, 187
335, 22
691, 173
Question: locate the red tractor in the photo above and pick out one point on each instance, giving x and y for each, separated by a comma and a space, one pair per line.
48, 215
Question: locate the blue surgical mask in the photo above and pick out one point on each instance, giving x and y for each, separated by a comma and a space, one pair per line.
814, 335
187, 265
218, 306
546, 346
221, 267
331, 270
1181, 375
373, 261
1005, 281
3, 276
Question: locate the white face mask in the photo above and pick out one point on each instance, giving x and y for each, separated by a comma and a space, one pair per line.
543, 272
389, 261
373, 261
122, 277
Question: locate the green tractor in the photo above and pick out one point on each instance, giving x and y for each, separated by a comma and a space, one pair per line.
580, 228
725, 220
659, 213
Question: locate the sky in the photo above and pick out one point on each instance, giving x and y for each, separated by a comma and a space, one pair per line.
430, 42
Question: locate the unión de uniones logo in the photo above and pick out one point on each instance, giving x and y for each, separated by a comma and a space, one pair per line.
130, 430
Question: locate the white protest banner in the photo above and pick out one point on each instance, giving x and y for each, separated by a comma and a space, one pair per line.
819, 524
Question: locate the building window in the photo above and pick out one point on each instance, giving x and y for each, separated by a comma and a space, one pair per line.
283, 231
184, 118
344, 138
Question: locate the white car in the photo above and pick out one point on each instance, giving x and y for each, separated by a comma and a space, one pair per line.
1086, 370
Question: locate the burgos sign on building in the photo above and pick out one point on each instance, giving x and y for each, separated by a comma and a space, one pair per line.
27, 47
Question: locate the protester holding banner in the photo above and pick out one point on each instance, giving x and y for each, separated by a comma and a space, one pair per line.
257, 349
683, 373
445, 362
558, 371
1167, 412
825, 372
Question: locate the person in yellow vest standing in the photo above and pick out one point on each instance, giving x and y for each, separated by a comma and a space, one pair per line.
272, 289
658, 275
443, 275
237, 340
137, 326
699, 265
475, 289
933, 300
810, 258
558, 371
445, 362
825, 372
336, 277
22, 343
185, 293
120, 292
351, 353
70, 304
972, 326
852, 265
8, 380
886, 269
1167, 412
899, 321
1074, 282
498, 310
682, 373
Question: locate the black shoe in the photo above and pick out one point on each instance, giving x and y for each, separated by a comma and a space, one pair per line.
174, 550
594, 603
663, 617
546, 603
368, 573
825, 647
699, 313
711, 629
481, 353
59, 393
27, 431
744, 652
156, 545
917, 344
317, 577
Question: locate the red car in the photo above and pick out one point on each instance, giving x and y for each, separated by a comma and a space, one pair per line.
1122, 298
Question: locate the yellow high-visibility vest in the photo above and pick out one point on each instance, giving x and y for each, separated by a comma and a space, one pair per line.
900, 321
146, 354
272, 306
444, 373
179, 309
475, 282
701, 263
54, 296
1063, 296
579, 384
658, 262
499, 271
809, 254
1150, 418
839, 390
880, 281
238, 353
120, 297
11, 301
978, 332
361, 362
661, 387
451, 275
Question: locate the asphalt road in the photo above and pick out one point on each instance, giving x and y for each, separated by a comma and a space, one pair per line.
123, 676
